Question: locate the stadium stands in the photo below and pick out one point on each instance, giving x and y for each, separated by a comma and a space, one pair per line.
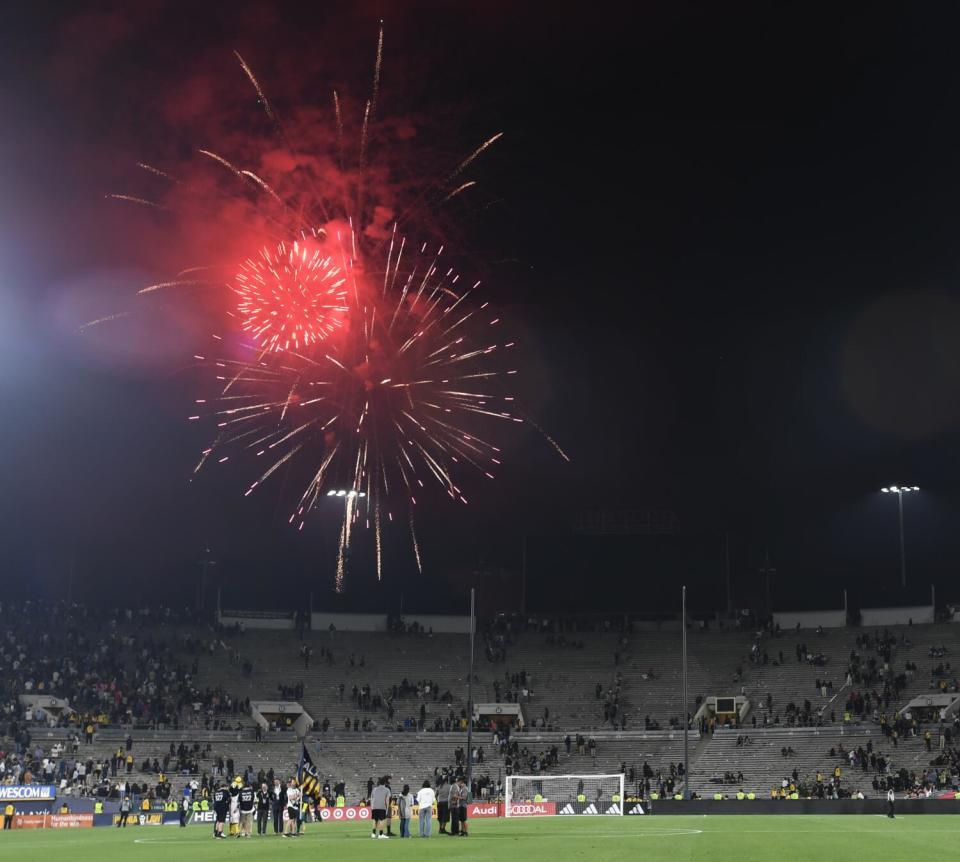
172, 679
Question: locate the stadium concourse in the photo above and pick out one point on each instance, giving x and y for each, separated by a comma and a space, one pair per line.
143, 702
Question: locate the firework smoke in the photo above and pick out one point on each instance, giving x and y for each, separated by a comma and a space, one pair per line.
353, 357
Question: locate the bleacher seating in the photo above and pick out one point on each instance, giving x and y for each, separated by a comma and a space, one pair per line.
562, 681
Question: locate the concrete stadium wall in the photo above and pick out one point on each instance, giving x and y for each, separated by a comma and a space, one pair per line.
281, 623
805, 806
896, 616
320, 622
811, 619
440, 623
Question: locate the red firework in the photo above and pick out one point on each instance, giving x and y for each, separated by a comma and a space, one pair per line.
361, 363
291, 297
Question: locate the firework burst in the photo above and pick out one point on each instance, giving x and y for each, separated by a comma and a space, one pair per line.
357, 362
290, 296
384, 407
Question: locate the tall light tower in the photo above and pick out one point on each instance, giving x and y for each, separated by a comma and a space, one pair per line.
900, 490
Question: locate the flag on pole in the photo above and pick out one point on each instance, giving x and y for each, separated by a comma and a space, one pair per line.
307, 775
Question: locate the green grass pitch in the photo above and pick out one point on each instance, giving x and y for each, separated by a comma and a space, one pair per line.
547, 839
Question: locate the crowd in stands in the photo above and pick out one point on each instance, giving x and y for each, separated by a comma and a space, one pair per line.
113, 668
130, 668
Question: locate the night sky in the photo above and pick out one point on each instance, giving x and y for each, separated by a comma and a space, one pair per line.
727, 238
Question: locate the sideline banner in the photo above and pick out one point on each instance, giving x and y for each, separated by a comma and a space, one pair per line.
204, 817
135, 818
532, 809
70, 821
27, 792
346, 814
474, 809
601, 806
29, 821
52, 821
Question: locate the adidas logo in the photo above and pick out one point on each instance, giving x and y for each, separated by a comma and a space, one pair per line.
590, 809
567, 809
613, 809
636, 809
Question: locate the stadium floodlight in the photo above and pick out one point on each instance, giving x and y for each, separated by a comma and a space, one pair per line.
528, 795
900, 490
343, 492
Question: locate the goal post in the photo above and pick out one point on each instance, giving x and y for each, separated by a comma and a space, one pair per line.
564, 794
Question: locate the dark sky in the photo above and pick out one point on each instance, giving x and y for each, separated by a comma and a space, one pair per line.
728, 236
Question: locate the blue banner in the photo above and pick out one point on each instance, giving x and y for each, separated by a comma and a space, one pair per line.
27, 792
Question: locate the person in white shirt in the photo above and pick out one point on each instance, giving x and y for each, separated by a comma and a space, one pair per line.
293, 810
425, 799
890, 798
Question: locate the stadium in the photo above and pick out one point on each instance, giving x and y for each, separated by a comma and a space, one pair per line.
427, 421
366, 697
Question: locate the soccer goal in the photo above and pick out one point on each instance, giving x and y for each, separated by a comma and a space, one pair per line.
563, 794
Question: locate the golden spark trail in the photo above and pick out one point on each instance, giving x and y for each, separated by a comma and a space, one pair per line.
135, 200
163, 285
469, 160
100, 320
461, 188
156, 171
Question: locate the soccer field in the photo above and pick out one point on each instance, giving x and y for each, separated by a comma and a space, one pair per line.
547, 839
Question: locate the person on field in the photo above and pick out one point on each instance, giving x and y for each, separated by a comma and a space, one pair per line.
125, 805
379, 803
293, 810
453, 807
463, 795
405, 810
278, 801
425, 800
221, 810
386, 782
443, 805
246, 801
234, 821
263, 809
890, 800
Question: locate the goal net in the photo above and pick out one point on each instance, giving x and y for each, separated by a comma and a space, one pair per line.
563, 794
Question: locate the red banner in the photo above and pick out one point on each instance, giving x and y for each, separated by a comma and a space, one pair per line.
474, 810
345, 814
484, 809
532, 809
70, 821
29, 821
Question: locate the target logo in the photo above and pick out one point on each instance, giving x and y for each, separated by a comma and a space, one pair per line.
352, 812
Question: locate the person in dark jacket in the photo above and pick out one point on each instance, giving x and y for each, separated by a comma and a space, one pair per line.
263, 809
278, 801
221, 809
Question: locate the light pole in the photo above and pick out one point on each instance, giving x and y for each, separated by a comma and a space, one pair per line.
470, 697
686, 720
900, 490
